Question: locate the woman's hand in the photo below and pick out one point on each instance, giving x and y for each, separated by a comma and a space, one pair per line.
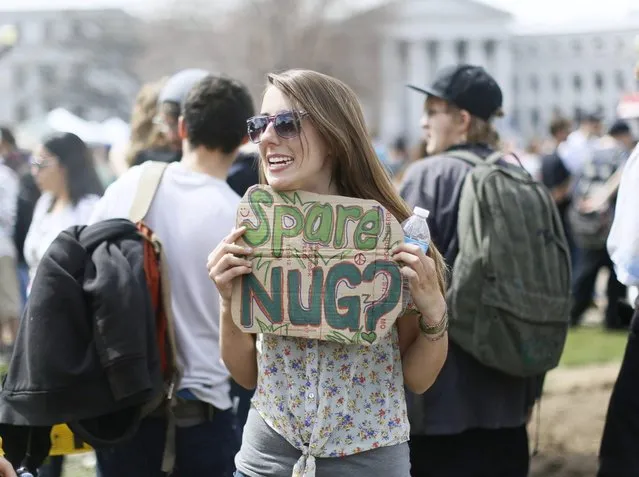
423, 282
422, 357
227, 262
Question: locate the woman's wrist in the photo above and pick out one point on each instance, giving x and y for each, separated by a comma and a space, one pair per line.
434, 330
434, 315
225, 308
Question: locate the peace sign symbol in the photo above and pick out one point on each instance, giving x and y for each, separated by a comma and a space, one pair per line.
360, 259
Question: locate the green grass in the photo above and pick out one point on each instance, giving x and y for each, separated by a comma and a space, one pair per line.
593, 346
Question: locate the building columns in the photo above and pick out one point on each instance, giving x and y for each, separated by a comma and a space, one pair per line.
390, 122
447, 54
504, 72
418, 75
476, 53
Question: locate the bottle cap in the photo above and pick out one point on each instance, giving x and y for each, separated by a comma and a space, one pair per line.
424, 213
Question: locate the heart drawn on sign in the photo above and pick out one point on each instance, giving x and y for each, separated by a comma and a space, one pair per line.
369, 337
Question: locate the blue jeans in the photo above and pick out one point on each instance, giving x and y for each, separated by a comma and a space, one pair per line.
243, 398
205, 449
23, 279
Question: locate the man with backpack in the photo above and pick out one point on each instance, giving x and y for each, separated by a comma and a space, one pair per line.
242, 175
509, 288
590, 217
192, 208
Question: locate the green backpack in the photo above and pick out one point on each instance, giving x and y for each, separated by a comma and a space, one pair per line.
509, 298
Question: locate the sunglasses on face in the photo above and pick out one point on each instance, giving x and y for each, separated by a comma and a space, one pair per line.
41, 162
286, 125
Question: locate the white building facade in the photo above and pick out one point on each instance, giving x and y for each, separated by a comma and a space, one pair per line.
70, 59
540, 73
565, 73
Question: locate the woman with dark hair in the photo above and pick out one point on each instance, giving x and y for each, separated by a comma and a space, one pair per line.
64, 172
70, 186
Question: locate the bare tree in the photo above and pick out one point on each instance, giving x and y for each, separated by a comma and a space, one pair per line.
317, 34
255, 37
184, 34
101, 75
358, 39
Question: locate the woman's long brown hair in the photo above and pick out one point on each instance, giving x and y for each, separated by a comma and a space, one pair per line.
335, 111
144, 132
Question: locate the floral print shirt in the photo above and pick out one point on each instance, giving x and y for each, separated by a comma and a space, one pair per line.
330, 399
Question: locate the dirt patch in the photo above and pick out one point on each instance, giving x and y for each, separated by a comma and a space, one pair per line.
573, 411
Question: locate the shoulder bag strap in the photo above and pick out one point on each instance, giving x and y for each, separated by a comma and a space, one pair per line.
150, 179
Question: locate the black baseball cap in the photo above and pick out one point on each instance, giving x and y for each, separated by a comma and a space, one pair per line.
468, 87
619, 127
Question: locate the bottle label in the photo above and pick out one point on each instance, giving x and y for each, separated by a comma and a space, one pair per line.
419, 243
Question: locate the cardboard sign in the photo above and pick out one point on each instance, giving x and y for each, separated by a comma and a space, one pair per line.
321, 267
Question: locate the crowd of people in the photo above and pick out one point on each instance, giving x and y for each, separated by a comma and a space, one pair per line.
418, 403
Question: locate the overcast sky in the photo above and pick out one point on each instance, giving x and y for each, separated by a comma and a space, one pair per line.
527, 11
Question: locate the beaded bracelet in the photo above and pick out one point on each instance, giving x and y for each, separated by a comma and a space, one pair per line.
437, 330
436, 337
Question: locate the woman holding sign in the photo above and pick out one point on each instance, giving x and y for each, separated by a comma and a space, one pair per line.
326, 408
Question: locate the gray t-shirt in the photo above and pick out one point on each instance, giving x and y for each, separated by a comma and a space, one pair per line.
265, 453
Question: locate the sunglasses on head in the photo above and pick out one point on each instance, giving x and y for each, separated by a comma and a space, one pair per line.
286, 125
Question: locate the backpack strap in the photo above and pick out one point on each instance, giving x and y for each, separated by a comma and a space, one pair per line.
475, 159
169, 455
494, 157
467, 156
150, 179
166, 401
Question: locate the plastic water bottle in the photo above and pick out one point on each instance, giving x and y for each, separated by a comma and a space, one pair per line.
416, 229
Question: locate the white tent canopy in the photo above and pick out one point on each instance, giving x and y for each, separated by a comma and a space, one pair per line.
628, 107
112, 131
115, 131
